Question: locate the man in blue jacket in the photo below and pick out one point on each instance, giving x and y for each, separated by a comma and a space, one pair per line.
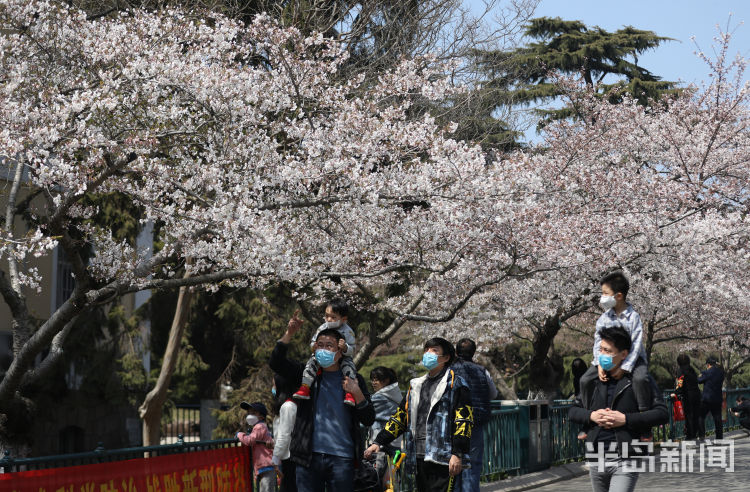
712, 379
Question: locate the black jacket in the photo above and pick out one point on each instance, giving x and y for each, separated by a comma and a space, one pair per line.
637, 423
712, 379
743, 409
291, 370
687, 388
475, 376
300, 448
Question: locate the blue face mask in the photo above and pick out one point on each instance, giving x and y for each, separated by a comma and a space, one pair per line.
605, 362
273, 391
325, 357
430, 360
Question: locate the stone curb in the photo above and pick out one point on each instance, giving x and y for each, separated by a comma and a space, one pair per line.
537, 479
557, 474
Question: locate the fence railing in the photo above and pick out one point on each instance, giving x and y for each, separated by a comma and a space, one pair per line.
674, 430
502, 441
566, 446
184, 420
100, 455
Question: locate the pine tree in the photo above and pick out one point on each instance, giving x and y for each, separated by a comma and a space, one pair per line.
522, 76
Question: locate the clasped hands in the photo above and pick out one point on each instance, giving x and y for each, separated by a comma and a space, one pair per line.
608, 418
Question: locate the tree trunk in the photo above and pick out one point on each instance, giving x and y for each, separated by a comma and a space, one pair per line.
505, 391
649, 345
151, 409
544, 376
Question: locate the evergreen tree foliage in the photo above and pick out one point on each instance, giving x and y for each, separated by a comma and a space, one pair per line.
523, 76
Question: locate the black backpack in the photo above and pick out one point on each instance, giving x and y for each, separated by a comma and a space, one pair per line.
366, 478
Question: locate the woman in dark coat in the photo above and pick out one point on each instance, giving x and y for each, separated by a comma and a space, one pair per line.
688, 392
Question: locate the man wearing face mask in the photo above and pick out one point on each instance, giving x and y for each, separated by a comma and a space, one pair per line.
614, 414
336, 316
326, 441
619, 312
437, 418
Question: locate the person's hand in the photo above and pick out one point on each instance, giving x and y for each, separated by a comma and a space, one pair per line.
598, 416
613, 419
374, 448
602, 374
454, 465
342, 345
352, 386
291, 328
269, 444
294, 324
673, 396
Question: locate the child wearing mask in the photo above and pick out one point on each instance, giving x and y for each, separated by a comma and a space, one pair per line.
619, 312
261, 442
336, 316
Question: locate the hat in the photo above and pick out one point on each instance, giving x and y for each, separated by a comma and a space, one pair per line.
711, 360
257, 406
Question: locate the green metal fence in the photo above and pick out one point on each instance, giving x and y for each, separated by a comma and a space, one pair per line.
674, 430
100, 455
566, 446
502, 442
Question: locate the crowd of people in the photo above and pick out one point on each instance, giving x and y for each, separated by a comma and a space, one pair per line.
323, 405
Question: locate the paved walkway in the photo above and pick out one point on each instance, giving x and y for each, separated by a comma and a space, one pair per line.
712, 478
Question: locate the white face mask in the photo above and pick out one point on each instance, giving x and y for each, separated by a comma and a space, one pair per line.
334, 324
607, 302
251, 420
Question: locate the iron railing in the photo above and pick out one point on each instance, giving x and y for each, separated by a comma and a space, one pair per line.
100, 455
184, 420
502, 441
566, 446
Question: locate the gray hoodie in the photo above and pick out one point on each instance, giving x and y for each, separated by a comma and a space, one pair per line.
385, 401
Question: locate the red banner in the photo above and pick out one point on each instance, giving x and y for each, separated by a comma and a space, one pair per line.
220, 470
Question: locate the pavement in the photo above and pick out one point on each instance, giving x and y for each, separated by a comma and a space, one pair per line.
574, 477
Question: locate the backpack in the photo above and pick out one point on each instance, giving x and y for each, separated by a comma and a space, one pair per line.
366, 478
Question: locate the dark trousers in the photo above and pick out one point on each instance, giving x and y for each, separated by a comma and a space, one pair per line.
432, 477
691, 408
715, 410
469, 477
745, 422
326, 472
289, 480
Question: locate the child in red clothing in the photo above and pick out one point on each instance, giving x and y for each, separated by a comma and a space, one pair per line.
261, 442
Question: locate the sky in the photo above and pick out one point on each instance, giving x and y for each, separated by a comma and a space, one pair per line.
678, 19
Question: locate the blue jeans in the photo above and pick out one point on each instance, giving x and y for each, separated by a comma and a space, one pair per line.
469, 481
326, 471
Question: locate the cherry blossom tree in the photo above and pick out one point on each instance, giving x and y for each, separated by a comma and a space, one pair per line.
254, 161
660, 193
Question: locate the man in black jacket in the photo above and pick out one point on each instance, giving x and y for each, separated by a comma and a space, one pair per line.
612, 410
712, 379
742, 410
326, 441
